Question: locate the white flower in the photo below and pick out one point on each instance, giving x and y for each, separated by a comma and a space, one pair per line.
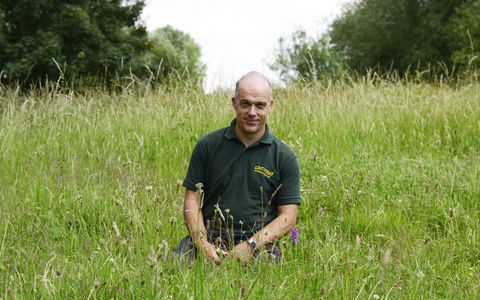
323, 193
359, 192
376, 296
199, 187
227, 210
420, 275
149, 187
399, 200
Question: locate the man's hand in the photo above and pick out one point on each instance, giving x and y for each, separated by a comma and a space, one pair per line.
211, 252
243, 252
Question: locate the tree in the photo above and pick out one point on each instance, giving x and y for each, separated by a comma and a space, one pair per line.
393, 33
465, 34
174, 54
83, 36
300, 56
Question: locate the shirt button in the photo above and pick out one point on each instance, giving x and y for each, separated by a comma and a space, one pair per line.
242, 160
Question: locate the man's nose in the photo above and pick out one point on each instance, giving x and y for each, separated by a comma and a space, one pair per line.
252, 111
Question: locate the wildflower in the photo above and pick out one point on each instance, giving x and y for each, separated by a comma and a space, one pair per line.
399, 200
420, 275
324, 178
149, 187
240, 222
294, 236
227, 210
199, 187
359, 192
376, 296
323, 193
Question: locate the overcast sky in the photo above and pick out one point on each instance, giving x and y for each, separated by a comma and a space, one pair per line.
239, 36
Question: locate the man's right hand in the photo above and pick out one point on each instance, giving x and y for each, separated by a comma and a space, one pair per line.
212, 252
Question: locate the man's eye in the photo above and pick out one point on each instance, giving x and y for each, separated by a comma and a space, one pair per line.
261, 105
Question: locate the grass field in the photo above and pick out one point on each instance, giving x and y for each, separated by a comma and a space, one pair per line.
390, 188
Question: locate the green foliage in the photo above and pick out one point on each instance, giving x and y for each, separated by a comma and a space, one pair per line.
396, 34
300, 56
84, 37
465, 34
174, 55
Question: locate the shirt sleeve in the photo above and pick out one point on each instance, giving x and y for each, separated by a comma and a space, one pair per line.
289, 193
196, 168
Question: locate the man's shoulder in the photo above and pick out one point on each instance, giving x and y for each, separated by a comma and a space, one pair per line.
212, 137
281, 147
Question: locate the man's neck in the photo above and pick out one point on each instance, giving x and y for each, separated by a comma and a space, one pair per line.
248, 139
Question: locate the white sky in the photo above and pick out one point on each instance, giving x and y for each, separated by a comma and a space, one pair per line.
238, 36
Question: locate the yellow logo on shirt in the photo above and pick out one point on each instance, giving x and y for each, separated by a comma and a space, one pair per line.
263, 171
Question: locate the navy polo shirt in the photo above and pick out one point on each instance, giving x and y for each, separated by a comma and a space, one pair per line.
243, 180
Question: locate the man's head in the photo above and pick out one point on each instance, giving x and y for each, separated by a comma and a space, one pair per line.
254, 73
252, 102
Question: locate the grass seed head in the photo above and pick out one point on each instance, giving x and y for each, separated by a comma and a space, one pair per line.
358, 242
271, 258
322, 291
115, 229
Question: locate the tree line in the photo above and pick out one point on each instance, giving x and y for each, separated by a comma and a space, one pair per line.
401, 35
41, 40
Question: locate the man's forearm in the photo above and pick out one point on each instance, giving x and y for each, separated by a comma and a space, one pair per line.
279, 227
194, 218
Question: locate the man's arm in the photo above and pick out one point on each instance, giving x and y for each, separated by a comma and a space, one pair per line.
194, 220
272, 232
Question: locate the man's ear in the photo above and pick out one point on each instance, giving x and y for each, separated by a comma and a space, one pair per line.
233, 102
270, 106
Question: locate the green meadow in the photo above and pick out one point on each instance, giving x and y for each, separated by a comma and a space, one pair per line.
390, 187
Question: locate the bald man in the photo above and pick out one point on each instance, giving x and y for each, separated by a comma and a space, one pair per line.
242, 185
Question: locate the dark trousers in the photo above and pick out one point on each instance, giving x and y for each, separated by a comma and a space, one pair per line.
186, 250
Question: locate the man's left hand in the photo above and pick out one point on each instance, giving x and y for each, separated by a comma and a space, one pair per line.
243, 252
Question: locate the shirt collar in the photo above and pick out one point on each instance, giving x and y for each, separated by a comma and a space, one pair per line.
267, 137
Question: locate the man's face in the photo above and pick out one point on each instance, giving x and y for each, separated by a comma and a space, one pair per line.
252, 106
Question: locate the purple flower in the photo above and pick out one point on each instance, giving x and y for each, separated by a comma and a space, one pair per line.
294, 236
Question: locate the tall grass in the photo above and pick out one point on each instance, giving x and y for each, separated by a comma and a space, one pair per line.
90, 193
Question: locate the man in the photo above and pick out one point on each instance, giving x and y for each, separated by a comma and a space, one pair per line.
250, 180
